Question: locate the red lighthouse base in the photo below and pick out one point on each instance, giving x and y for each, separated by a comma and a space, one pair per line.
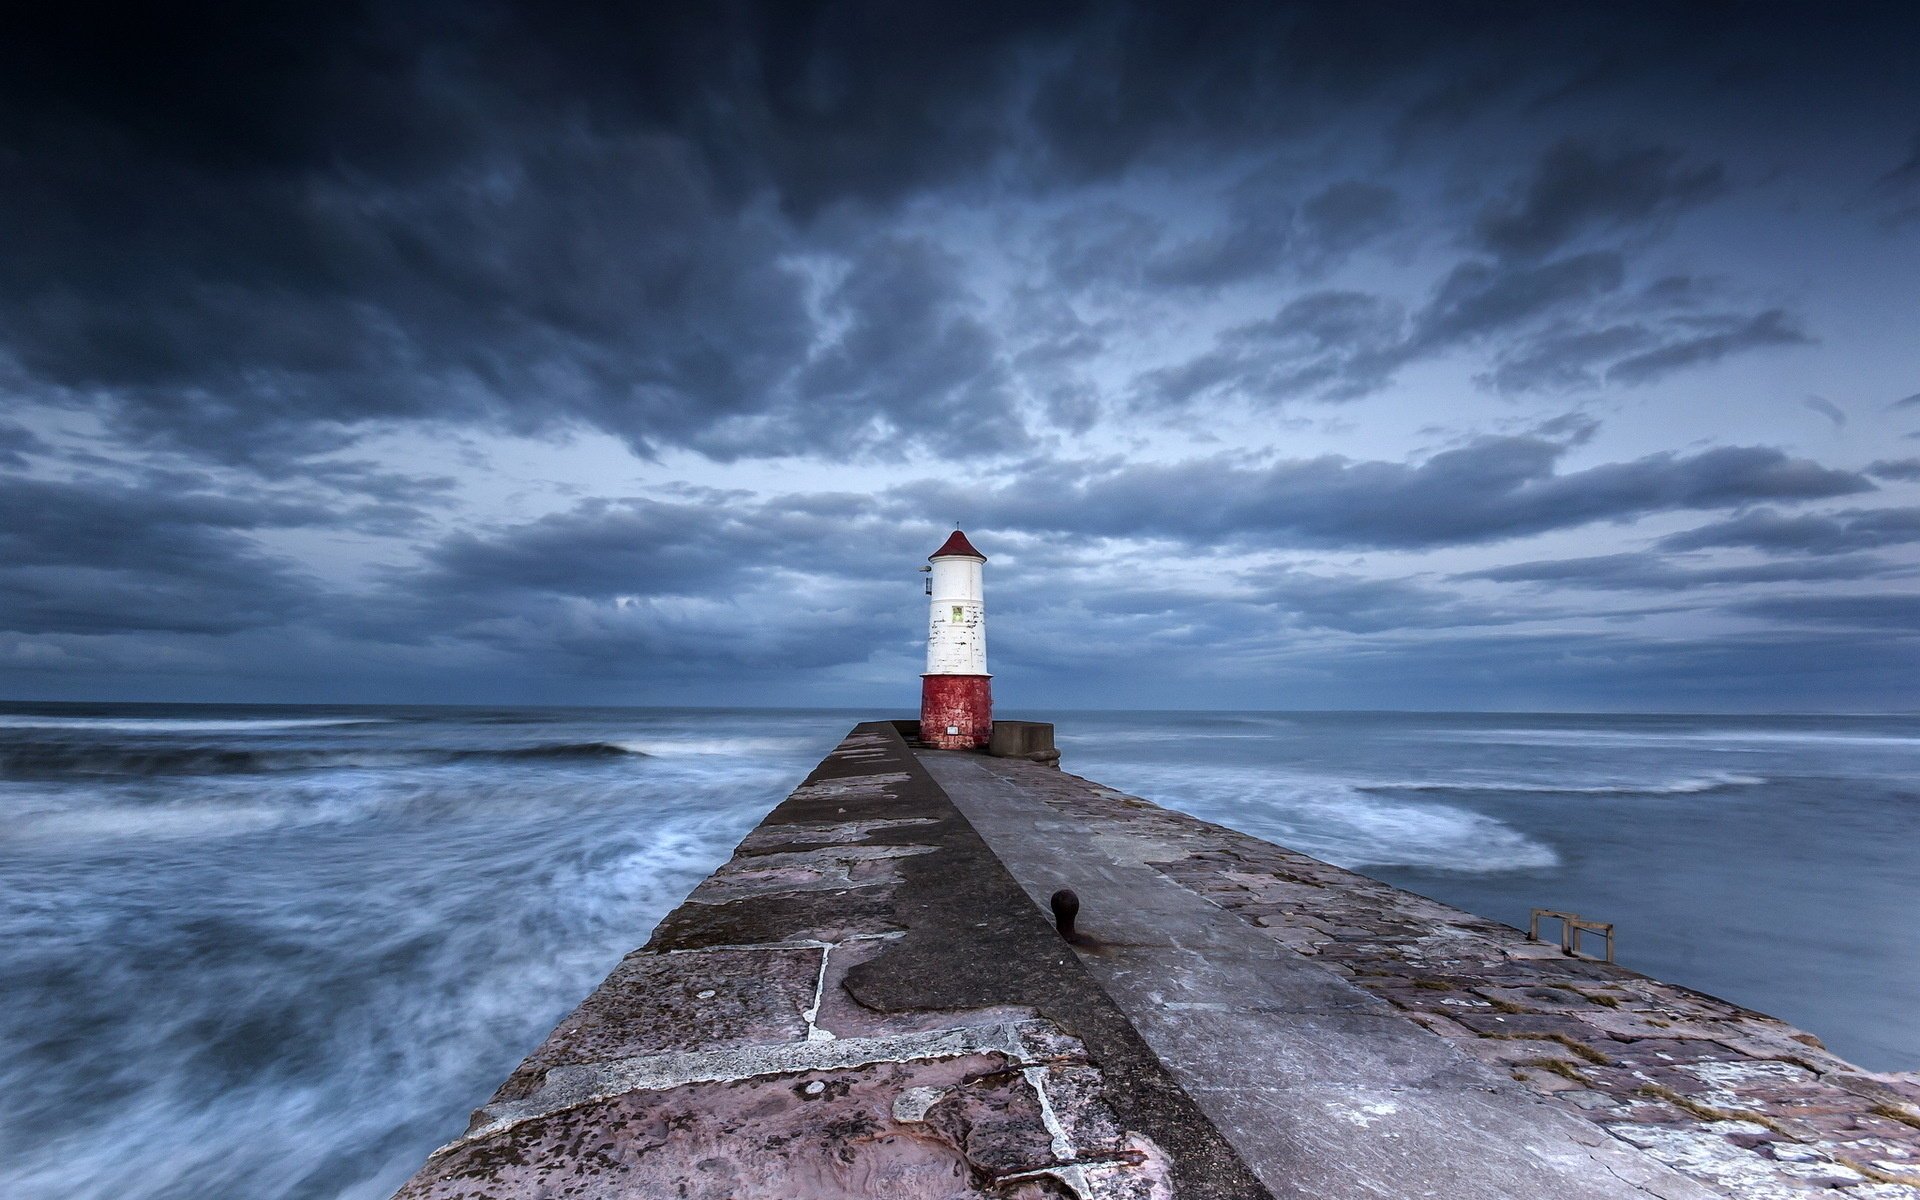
956, 711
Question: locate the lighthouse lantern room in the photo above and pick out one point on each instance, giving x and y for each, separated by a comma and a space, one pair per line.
956, 697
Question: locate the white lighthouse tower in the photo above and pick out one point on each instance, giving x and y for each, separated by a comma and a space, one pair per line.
956, 697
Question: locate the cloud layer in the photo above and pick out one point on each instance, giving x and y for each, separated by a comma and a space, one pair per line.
606, 352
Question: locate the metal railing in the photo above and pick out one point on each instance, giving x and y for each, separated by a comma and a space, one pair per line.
1572, 925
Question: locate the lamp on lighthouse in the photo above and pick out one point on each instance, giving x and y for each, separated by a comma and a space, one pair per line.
956, 697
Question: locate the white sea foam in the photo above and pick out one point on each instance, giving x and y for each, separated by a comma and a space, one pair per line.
1349, 828
1337, 821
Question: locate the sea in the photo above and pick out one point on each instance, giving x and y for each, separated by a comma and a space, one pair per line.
279, 953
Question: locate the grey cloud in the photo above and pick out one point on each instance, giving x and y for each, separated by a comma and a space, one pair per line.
1100, 243
1256, 236
1651, 572
1903, 469
1578, 187
1668, 325
1338, 345
911, 363
262, 235
1489, 490
1828, 409
1896, 612
1358, 605
1566, 355
1346, 215
1706, 340
1808, 533
1899, 188
1912, 401
1478, 298
696, 545
95, 557
1265, 230
16, 443
674, 588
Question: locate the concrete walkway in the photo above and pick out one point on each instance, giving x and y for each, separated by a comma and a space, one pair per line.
868, 1000
1324, 1089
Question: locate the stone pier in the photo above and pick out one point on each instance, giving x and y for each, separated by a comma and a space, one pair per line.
869, 999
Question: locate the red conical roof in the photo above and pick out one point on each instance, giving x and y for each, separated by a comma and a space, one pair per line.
957, 546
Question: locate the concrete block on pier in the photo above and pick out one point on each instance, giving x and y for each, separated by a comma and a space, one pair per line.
1031, 740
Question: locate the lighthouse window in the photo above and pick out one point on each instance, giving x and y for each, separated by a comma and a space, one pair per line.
959, 613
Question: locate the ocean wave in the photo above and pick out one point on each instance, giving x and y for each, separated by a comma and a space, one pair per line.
676, 747
1713, 738
235, 1007
1352, 828
174, 725
56, 760
1717, 782
560, 750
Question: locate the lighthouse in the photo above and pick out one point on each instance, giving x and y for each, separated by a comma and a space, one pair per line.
956, 699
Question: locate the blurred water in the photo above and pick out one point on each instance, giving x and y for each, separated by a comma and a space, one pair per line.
281, 953
256, 956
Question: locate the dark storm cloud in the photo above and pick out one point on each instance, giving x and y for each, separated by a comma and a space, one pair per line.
358, 222
245, 235
1904, 469
1491, 489
1357, 605
1341, 345
1572, 354
264, 228
698, 545
911, 361
1266, 229
1554, 325
1578, 187
1271, 226
704, 543
16, 443
1708, 339
1899, 189
1655, 573
1563, 320
1477, 298
1898, 613
1807, 533
1507, 671
1826, 408
685, 589
101, 558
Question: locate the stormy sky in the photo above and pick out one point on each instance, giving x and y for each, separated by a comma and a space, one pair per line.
1530, 356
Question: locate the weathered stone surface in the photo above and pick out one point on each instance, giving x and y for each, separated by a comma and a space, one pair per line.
1733, 1099
1326, 1090
859, 1003
866, 1001
700, 1000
